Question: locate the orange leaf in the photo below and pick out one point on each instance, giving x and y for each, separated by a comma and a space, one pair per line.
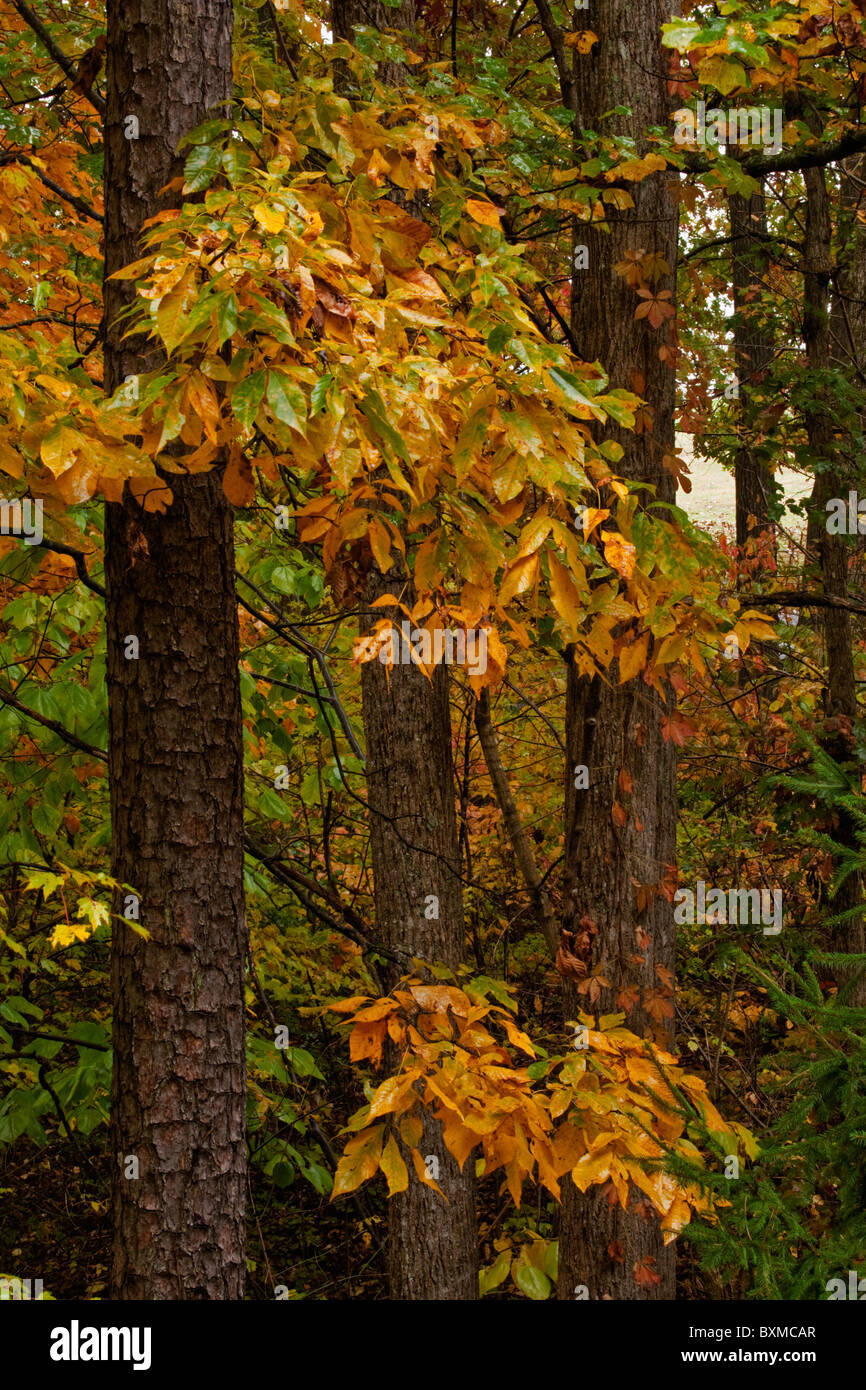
619, 553
485, 213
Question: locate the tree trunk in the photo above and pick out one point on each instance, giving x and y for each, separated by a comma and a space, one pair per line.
432, 1245
612, 728
826, 433
753, 353
175, 746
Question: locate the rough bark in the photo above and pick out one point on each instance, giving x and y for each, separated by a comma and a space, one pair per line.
753, 353
432, 1245
175, 747
610, 728
837, 474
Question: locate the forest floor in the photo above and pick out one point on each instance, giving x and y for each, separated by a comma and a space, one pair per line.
711, 500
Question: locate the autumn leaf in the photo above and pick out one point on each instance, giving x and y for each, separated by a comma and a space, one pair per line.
632, 659
392, 1165
238, 484
359, 1162
619, 553
485, 213
678, 729
645, 1275
271, 219
519, 577
581, 39
656, 306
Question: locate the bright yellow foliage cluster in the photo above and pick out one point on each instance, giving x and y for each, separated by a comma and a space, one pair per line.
609, 1113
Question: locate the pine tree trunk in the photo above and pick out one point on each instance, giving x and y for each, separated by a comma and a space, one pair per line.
610, 728
175, 747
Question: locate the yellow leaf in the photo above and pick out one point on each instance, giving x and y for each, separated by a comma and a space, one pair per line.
359, 1162
347, 1006
428, 574
380, 544
65, 933
394, 1168
581, 39
421, 1171
485, 213
591, 518
520, 576
632, 658
238, 484
271, 219
564, 592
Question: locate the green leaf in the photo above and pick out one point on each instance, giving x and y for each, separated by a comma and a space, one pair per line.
681, 34
373, 408
227, 316
532, 1282
287, 401
495, 1274
302, 1062
202, 164
247, 397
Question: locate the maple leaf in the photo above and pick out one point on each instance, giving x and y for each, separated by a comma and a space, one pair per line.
628, 998
616, 1252
592, 987
645, 1275
678, 729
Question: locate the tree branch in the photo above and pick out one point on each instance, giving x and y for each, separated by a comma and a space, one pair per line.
801, 598
555, 38
67, 65
7, 698
826, 152
73, 199
58, 548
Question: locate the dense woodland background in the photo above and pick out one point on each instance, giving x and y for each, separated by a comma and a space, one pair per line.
324, 978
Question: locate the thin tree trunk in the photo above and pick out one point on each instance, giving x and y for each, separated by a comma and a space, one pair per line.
432, 1244
175, 746
614, 729
513, 823
753, 353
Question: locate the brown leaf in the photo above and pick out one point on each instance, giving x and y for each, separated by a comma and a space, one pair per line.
331, 299
645, 1275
